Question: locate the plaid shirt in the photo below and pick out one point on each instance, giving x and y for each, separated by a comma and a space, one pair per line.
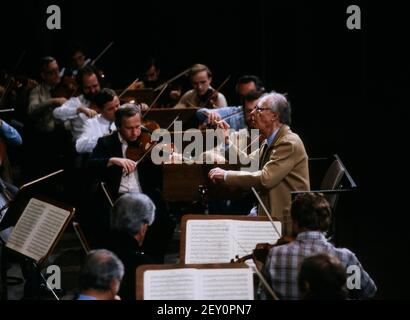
282, 264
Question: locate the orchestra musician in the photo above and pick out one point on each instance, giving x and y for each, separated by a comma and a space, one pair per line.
41, 102
100, 276
202, 95
153, 79
78, 109
78, 59
283, 162
248, 88
9, 136
131, 218
311, 216
46, 138
109, 163
103, 124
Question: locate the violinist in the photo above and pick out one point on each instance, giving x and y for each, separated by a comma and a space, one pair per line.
41, 102
46, 138
153, 79
109, 163
249, 89
103, 124
78, 59
310, 214
109, 157
78, 109
237, 118
202, 95
9, 136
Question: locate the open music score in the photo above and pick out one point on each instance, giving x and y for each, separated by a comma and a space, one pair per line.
195, 282
219, 238
38, 229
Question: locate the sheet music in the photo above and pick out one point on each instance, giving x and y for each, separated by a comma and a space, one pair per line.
249, 233
37, 229
174, 284
198, 284
208, 241
219, 241
227, 284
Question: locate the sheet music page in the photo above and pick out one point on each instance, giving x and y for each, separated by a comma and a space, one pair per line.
173, 284
37, 229
247, 234
208, 241
227, 284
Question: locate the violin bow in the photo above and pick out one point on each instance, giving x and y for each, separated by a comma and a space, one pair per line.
266, 211
259, 274
155, 101
156, 142
217, 90
42, 178
102, 53
6, 110
107, 194
246, 148
128, 88
166, 83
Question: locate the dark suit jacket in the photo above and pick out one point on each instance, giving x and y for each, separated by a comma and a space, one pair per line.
150, 177
110, 146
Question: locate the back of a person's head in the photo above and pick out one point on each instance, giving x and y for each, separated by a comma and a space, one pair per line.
311, 211
99, 269
130, 212
322, 277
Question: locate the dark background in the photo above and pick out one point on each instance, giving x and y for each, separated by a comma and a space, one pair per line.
348, 88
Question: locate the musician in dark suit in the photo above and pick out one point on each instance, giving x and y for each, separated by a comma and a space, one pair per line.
108, 163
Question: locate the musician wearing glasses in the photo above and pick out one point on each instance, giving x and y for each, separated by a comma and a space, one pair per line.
249, 88
283, 162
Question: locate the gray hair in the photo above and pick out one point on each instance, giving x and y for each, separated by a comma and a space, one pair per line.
100, 268
127, 110
279, 104
131, 211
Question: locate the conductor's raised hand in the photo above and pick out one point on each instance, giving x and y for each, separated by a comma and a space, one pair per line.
217, 175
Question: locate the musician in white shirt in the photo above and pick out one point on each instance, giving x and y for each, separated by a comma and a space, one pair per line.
78, 109
103, 124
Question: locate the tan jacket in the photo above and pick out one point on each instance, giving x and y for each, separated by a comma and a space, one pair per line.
283, 168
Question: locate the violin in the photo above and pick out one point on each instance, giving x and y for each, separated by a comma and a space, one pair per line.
137, 150
261, 251
67, 88
209, 100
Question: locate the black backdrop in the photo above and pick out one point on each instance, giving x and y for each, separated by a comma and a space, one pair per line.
348, 88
